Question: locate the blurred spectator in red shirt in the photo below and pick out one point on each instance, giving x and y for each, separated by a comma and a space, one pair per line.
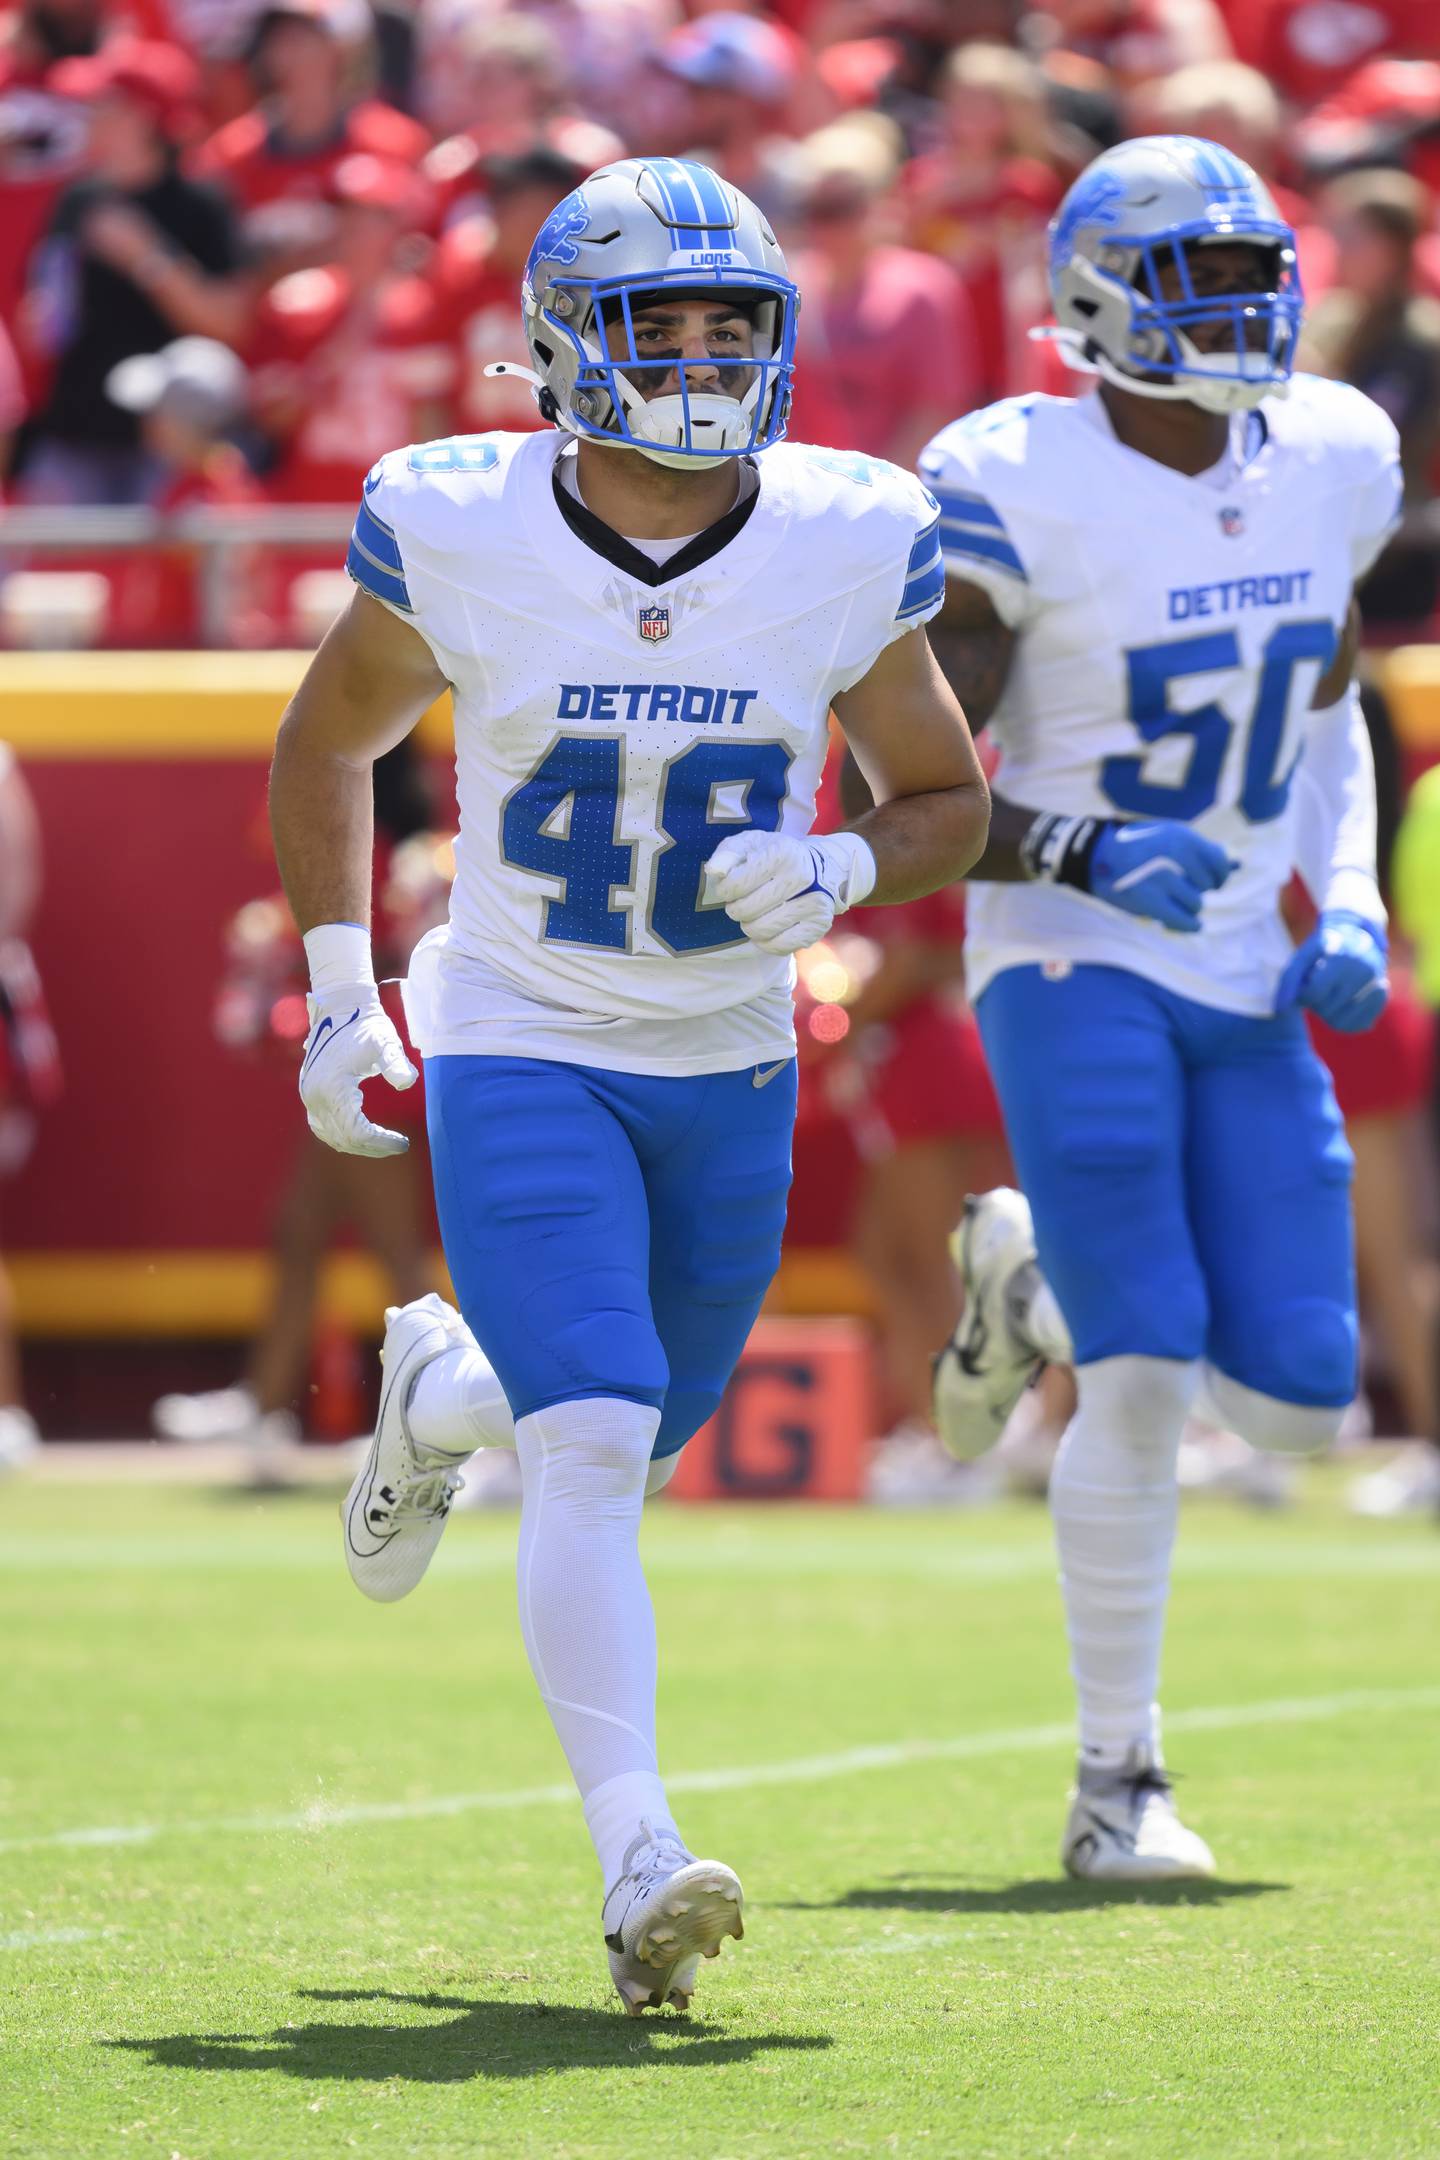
609, 46
887, 345
1309, 47
218, 35
1386, 113
1374, 330
135, 252
738, 74
507, 90
12, 395
1135, 40
475, 280
278, 159
347, 360
187, 399
42, 135
981, 199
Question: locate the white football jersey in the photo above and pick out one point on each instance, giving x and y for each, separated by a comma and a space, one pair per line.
614, 720
1173, 630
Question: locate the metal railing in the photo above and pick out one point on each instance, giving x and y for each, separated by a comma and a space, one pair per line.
216, 534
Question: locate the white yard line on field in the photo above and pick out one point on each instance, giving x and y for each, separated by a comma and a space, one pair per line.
41, 1938
805, 1769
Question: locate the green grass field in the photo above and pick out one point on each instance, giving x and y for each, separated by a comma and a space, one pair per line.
288, 1875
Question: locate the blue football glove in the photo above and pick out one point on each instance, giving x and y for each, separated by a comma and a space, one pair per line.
1152, 867
1338, 973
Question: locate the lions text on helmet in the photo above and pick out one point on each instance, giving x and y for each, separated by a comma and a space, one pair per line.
1173, 275
660, 315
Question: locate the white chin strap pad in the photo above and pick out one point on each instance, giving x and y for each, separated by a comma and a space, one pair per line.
717, 424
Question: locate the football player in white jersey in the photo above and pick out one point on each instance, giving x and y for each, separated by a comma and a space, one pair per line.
645, 615
1150, 602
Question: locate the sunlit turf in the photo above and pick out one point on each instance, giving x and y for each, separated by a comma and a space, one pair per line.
239, 1967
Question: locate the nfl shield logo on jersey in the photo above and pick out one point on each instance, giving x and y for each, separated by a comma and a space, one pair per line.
1232, 522
654, 623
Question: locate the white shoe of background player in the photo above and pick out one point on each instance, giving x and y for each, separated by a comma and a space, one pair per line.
988, 1362
666, 1912
223, 1414
20, 1440
1123, 1828
1409, 1484
395, 1512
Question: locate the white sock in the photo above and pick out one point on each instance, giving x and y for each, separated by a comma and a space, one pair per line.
585, 1610
1043, 1324
1114, 1498
458, 1405
614, 1812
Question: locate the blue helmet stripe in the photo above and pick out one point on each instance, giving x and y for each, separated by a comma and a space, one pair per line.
693, 198
981, 548
960, 508
375, 578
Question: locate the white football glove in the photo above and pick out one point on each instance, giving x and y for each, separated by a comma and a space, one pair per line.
785, 893
351, 1039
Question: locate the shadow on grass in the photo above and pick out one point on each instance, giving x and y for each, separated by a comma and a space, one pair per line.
1048, 1895
483, 2040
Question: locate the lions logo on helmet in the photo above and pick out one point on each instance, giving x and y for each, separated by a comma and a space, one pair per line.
1139, 213
637, 231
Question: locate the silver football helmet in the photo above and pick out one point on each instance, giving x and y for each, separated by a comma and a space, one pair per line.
642, 228
1139, 208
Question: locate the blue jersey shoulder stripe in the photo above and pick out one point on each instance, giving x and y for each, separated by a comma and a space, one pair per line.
922, 590
378, 539
967, 509
384, 583
926, 545
982, 547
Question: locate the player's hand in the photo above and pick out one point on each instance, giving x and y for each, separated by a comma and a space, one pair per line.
1338, 974
1159, 869
785, 893
351, 1039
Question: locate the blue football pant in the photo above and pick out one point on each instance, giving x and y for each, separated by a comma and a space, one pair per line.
610, 1233
1189, 1177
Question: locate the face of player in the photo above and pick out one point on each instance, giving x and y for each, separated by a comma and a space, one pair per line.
697, 331
1216, 272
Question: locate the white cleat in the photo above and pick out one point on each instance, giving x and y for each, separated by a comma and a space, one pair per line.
223, 1414
667, 1911
1123, 1828
987, 1364
395, 1512
20, 1440
1409, 1484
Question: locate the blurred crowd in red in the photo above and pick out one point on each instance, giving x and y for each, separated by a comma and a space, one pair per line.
246, 247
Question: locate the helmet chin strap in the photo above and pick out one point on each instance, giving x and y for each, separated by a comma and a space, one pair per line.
657, 425
1212, 393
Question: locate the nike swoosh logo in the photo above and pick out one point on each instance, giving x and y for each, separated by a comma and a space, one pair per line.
764, 1074
322, 1033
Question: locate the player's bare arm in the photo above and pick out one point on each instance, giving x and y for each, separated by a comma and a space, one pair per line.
974, 649
366, 687
910, 739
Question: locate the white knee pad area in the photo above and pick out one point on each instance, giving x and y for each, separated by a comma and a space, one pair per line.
1280, 1428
